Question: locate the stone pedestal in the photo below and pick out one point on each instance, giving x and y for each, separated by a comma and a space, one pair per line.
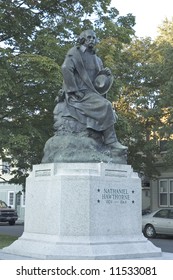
83, 211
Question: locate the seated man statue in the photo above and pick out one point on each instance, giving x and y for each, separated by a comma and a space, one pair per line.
83, 75
82, 105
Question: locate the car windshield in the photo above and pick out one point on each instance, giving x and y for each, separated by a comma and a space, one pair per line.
162, 213
3, 204
171, 214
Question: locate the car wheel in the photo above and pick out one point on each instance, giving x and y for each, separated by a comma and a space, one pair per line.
11, 223
149, 231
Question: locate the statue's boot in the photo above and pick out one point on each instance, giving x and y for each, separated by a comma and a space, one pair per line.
110, 139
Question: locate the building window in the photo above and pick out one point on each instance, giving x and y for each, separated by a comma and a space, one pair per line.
18, 198
11, 199
147, 193
171, 192
166, 192
23, 199
5, 168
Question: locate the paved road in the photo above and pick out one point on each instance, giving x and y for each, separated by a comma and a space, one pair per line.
163, 242
15, 230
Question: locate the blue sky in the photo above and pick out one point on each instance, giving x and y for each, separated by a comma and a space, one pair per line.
149, 14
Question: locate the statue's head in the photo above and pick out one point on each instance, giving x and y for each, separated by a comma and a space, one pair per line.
88, 38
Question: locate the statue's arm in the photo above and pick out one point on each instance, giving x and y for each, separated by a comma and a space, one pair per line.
103, 69
68, 69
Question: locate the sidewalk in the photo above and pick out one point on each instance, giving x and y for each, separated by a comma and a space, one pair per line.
5, 256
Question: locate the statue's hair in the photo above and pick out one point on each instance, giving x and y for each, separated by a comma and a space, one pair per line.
82, 37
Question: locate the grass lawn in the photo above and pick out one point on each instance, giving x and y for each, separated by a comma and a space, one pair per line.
6, 240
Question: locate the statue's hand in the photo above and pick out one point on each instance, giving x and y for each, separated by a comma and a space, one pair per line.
79, 94
76, 96
107, 71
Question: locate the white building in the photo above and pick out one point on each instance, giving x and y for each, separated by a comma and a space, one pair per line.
12, 194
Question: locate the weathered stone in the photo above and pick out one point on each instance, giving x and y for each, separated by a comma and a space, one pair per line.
79, 148
83, 211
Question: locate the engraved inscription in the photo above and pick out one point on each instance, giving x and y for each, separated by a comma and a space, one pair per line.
45, 172
115, 173
118, 196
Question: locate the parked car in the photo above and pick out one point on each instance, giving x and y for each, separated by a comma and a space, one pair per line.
158, 222
146, 211
7, 214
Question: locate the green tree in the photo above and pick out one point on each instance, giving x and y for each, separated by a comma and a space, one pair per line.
136, 103
144, 97
165, 83
35, 36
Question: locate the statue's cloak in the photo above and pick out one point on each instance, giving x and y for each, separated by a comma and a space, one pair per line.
79, 72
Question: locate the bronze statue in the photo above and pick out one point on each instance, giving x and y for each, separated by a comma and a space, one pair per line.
82, 109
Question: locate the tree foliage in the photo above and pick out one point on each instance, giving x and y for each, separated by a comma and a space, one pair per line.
145, 78
35, 36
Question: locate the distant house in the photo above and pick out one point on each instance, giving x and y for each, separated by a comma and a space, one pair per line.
161, 188
146, 198
12, 194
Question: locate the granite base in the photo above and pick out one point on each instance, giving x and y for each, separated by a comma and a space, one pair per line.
83, 211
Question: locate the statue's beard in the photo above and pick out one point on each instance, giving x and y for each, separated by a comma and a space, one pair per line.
90, 46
